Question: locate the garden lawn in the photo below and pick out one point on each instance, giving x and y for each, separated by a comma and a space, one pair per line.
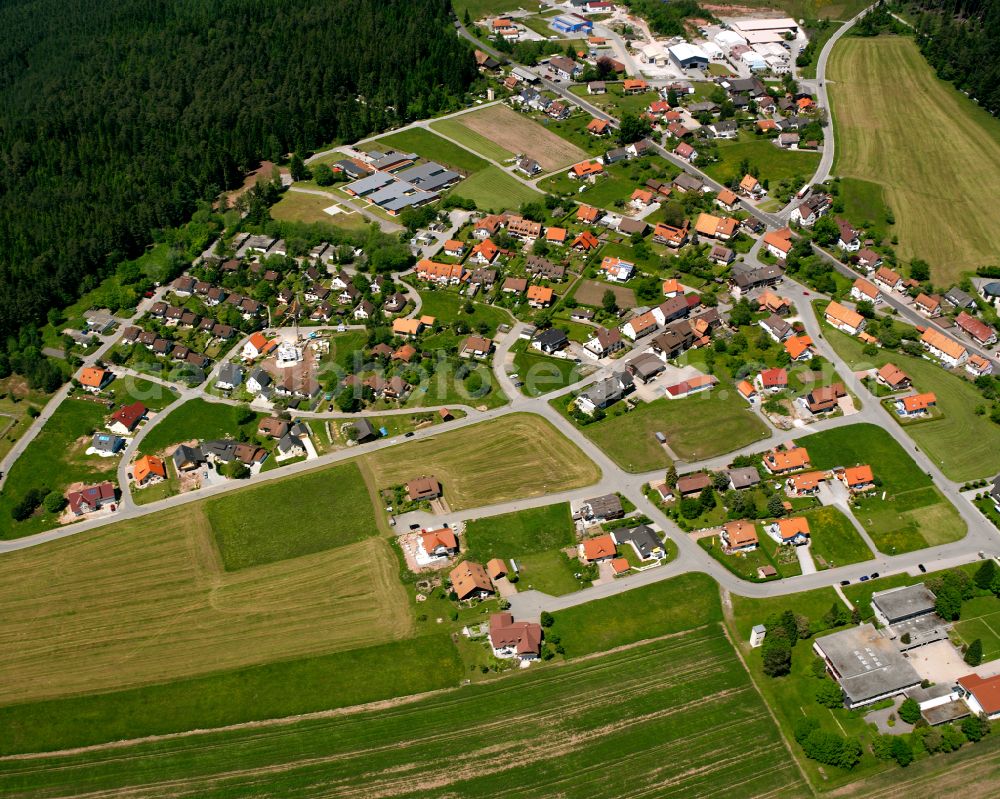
914, 513
707, 424
514, 534
54, 460
541, 374
964, 444
834, 541
458, 381
447, 307
432, 147
196, 419
551, 572
494, 190
517, 456
525, 734
128, 389
773, 163
257, 525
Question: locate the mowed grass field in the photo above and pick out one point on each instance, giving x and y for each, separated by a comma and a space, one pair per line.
148, 600
702, 426
492, 189
290, 518
774, 163
932, 149
196, 419
981, 619
296, 206
512, 133
914, 514
833, 540
650, 720
965, 445
515, 457
430, 146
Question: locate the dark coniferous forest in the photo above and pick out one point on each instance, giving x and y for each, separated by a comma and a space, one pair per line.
115, 117
961, 40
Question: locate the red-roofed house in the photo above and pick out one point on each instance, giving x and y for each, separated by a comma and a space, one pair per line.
858, 478
600, 548
91, 498
981, 694
125, 419
916, 404
976, 328
515, 639
772, 380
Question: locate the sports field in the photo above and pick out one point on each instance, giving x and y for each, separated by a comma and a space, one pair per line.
965, 445
512, 133
699, 427
148, 601
515, 457
892, 116
981, 619
492, 189
644, 721
914, 513
296, 206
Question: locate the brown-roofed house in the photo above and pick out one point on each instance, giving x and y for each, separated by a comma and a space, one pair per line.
600, 548
693, 483
422, 488
496, 568
515, 639
892, 376
469, 579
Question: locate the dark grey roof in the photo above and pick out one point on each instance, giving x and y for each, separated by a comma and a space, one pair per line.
288, 442
899, 603
959, 298
553, 337
230, 373
867, 664
262, 377
185, 454
643, 537
607, 506
364, 429
743, 476
107, 442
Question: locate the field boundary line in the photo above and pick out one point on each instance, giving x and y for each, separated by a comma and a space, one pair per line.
283, 721
727, 616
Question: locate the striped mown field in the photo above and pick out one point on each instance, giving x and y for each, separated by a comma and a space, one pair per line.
936, 154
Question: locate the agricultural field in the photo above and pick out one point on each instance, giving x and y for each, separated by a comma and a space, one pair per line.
531, 734
149, 600
515, 457
196, 419
773, 163
708, 424
884, 83
965, 445
54, 460
914, 514
534, 538
839, 10
492, 189
864, 206
254, 527
297, 206
431, 147
475, 141
500, 133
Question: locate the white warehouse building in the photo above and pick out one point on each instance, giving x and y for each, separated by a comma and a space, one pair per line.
687, 56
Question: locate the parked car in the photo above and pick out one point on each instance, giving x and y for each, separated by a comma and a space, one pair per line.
845, 582
864, 578
923, 569
409, 435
